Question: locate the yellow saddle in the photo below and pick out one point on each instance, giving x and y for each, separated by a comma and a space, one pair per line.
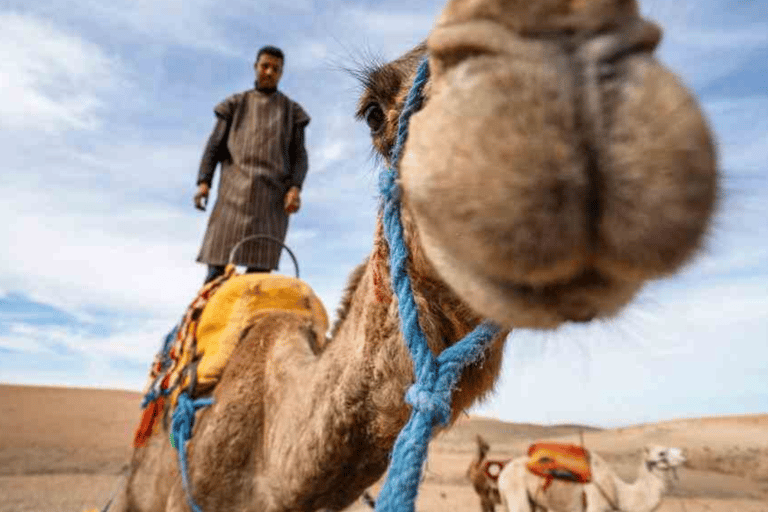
235, 304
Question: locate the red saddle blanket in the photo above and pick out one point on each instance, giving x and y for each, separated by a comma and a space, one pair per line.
562, 461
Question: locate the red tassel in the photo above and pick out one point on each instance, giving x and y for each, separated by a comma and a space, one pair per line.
148, 419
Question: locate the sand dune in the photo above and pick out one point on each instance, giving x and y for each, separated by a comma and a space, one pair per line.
63, 449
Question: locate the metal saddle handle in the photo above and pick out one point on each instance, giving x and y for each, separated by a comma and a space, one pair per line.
265, 237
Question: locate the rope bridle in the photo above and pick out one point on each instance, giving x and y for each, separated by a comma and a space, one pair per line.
430, 395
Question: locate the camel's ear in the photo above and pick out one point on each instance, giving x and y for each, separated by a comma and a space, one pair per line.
482, 444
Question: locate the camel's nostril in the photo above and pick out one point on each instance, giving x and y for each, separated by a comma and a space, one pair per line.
452, 44
635, 36
455, 56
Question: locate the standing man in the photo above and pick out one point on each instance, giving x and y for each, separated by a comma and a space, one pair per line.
259, 140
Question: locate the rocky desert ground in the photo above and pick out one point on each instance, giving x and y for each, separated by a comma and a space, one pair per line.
63, 450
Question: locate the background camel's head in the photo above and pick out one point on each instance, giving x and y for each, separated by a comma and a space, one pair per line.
556, 166
664, 458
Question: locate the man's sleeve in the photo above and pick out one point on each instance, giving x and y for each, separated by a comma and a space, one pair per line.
298, 151
214, 151
226, 109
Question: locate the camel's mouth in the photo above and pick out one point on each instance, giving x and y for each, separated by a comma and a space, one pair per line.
566, 298
588, 295
590, 291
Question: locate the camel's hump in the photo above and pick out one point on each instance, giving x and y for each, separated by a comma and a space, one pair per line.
235, 305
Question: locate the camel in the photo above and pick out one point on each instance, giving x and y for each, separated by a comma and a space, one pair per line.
554, 169
485, 486
522, 491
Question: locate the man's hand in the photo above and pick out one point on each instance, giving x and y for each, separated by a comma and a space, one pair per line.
201, 197
292, 200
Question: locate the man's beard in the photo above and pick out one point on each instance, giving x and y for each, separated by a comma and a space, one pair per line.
265, 89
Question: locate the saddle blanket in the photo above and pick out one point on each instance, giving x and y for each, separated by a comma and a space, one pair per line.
559, 461
195, 353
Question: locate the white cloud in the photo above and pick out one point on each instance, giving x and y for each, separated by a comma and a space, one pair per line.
185, 23
80, 246
307, 54
119, 360
135, 167
52, 80
93, 237
24, 337
199, 24
331, 153
105, 268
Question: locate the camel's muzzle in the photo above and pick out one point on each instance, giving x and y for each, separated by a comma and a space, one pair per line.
552, 172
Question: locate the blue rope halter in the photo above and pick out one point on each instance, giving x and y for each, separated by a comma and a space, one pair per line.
181, 431
430, 395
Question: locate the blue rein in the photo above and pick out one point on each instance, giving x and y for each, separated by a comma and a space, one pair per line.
430, 395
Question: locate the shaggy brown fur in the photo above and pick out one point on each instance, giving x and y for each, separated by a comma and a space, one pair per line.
554, 169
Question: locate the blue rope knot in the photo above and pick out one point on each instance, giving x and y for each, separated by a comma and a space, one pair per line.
181, 422
436, 404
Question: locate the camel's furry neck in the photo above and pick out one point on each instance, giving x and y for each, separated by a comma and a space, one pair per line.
345, 406
370, 303
644, 494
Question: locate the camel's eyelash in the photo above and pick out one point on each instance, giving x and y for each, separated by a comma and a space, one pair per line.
366, 101
381, 84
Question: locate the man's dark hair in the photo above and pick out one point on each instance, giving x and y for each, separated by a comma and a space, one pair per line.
271, 50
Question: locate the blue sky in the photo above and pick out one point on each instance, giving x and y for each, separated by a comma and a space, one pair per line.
105, 107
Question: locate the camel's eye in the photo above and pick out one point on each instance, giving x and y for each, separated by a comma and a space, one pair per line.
374, 116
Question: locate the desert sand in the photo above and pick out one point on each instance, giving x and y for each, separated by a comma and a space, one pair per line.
64, 449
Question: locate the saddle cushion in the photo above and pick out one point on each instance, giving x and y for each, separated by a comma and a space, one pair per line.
562, 461
235, 305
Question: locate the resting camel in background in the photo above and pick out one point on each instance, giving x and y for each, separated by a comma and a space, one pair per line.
555, 168
485, 486
522, 491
